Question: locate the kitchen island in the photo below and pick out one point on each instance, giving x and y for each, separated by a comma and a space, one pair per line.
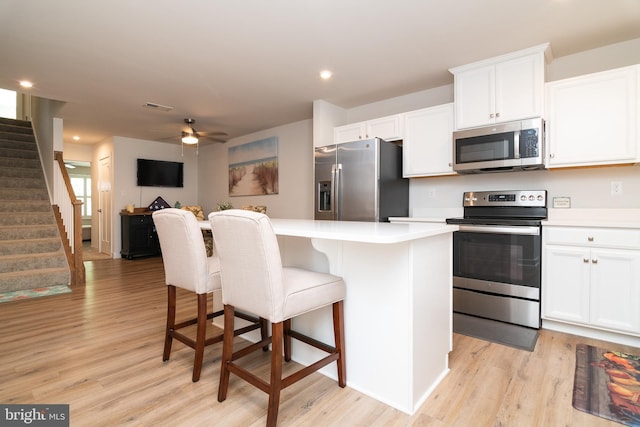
398, 305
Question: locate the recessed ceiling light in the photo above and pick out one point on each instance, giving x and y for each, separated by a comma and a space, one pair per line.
26, 84
76, 138
325, 74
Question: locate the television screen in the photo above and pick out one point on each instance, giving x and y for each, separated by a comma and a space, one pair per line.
159, 173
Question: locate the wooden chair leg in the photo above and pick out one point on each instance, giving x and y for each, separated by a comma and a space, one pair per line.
275, 384
171, 321
264, 332
287, 340
201, 335
338, 334
227, 352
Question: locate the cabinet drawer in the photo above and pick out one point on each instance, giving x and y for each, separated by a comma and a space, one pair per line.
597, 237
142, 219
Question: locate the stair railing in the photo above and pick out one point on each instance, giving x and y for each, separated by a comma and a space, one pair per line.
68, 212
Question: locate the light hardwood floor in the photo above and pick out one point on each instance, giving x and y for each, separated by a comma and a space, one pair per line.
99, 349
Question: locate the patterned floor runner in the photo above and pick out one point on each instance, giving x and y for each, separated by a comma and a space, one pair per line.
607, 384
33, 293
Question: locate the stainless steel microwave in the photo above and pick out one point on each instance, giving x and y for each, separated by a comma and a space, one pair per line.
510, 146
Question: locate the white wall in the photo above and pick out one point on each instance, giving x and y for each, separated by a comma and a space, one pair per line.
295, 165
588, 188
78, 152
126, 151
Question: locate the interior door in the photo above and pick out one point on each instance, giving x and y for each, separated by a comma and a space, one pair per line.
104, 205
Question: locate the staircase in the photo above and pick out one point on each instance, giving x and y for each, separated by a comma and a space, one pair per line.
31, 252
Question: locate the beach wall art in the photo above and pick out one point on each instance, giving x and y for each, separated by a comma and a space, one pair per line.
253, 168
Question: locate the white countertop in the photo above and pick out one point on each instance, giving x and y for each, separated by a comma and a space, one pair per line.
354, 231
611, 218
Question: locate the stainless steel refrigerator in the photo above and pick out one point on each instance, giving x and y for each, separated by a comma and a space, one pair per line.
360, 181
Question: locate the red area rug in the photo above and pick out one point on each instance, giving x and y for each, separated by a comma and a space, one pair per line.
607, 384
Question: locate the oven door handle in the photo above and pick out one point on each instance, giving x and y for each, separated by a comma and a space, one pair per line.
493, 229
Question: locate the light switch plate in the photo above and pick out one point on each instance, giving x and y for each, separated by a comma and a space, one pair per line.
562, 202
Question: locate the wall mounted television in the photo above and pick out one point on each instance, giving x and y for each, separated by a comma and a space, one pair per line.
160, 173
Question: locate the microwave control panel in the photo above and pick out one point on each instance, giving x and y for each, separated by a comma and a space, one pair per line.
529, 143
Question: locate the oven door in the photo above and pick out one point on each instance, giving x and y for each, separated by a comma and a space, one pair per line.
497, 273
492, 258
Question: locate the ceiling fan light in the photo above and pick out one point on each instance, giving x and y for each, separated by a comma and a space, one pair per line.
189, 138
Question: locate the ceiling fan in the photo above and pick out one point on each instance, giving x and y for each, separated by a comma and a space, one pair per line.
191, 136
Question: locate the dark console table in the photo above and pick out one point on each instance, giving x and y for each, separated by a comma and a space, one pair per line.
139, 237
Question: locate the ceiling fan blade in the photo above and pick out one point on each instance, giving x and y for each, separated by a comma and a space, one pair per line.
213, 133
213, 138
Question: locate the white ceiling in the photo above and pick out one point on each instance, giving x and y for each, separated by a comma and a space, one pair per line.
239, 66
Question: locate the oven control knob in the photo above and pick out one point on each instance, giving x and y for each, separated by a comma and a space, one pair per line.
532, 197
540, 197
523, 198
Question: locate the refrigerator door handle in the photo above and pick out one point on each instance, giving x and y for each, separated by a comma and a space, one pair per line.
335, 189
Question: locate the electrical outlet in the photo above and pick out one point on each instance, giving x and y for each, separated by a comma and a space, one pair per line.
616, 188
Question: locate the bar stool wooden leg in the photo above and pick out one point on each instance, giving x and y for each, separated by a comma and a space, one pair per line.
338, 335
287, 340
201, 332
227, 352
276, 373
171, 321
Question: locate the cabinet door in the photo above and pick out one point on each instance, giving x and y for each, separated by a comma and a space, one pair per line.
565, 284
475, 97
348, 133
615, 289
427, 147
388, 128
592, 120
519, 88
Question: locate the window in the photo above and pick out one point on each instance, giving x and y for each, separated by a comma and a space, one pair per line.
7, 104
82, 188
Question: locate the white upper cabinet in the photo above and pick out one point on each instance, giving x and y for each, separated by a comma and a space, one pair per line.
593, 119
506, 88
346, 133
388, 128
427, 145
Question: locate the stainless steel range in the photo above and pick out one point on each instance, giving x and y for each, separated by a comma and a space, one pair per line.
497, 256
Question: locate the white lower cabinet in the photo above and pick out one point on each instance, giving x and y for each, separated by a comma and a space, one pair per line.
591, 277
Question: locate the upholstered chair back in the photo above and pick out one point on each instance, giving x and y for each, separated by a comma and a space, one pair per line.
250, 264
186, 264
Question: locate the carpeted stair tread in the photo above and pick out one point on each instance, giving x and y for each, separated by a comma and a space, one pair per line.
22, 232
7, 162
25, 246
17, 153
15, 136
19, 194
22, 182
7, 173
20, 280
26, 218
18, 145
14, 122
14, 263
17, 126
21, 206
